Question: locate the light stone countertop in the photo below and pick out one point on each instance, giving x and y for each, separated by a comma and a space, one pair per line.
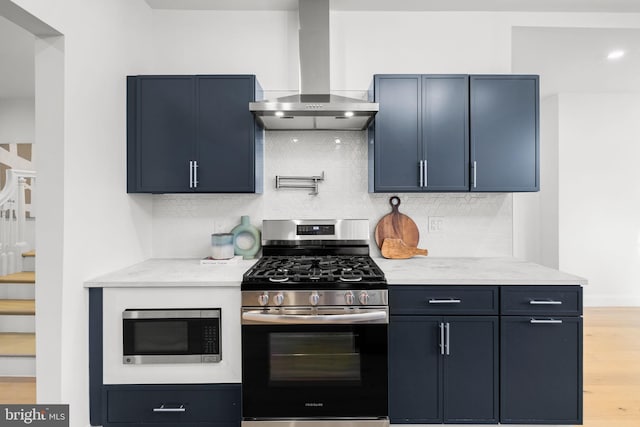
159, 272
414, 271
472, 271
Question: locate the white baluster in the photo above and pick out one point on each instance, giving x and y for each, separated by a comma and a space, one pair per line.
20, 244
3, 239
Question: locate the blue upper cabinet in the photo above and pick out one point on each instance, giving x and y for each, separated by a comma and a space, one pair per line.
420, 138
504, 111
448, 133
193, 134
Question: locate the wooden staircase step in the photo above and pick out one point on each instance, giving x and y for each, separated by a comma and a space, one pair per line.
22, 277
17, 307
17, 344
29, 254
18, 390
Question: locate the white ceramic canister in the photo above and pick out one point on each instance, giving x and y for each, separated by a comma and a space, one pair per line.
222, 246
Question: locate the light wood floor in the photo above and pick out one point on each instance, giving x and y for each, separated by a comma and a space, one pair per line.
612, 367
611, 370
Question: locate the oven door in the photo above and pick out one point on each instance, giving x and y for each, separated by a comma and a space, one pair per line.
322, 366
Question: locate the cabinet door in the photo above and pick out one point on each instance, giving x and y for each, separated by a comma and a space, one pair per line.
504, 131
541, 370
415, 374
161, 137
470, 387
225, 134
445, 132
397, 148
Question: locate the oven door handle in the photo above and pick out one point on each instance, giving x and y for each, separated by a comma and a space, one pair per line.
379, 316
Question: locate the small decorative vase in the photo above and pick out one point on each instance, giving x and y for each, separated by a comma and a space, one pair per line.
246, 238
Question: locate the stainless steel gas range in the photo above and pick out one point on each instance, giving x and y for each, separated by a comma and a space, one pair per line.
314, 328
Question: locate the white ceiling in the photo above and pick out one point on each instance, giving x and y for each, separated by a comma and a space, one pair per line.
568, 59
575, 59
16, 61
441, 5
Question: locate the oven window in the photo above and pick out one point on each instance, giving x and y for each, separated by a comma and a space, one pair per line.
161, 337
313, 357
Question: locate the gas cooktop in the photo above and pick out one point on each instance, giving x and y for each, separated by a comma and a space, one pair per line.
315, 254
337, 270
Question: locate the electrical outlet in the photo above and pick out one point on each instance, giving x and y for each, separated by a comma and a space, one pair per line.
436, 224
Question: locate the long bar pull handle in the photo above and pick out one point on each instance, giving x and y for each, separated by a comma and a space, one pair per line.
546, 321
441, 338
544, 302
195, 174
448, 340
426, 176
190, 173
445, 301
162, 408
475, 174
421, 173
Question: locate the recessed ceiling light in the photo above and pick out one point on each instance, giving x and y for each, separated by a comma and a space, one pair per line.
338, 141
294, 140
348, 113
615, 54
279, 113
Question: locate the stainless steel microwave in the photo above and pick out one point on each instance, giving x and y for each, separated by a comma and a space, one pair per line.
171, 335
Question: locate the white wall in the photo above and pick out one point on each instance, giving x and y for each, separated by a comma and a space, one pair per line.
87, 223
599, 203
17, 120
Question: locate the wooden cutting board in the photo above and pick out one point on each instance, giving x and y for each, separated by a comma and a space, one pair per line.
397, 249
397, 226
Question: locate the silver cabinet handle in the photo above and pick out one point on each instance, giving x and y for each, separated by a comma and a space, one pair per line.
544, 302
426, 176
190, 173
195, 174
441, 338
445, 301
421, 174
475, 174
162, 408
447, 341
545, 321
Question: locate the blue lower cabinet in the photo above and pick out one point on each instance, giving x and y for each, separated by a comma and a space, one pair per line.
443, 369
192, 405
541, 370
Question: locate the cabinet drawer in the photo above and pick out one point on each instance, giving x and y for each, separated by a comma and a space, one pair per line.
407, 300
202, 405
548, 300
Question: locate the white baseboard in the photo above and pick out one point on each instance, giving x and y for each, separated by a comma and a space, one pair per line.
604, 300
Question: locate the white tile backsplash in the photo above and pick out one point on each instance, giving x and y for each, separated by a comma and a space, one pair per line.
473, 224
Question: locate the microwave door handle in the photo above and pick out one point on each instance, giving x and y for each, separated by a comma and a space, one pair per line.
258, 316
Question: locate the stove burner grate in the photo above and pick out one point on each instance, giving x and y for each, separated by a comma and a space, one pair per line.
313, 269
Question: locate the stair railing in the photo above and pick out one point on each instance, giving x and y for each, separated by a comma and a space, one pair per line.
13, 219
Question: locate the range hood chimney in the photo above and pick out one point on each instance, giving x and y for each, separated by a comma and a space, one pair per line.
315, 108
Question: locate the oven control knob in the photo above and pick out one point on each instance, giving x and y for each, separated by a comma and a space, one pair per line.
349, 298
364, 298
278, 299
263, 299
314, 298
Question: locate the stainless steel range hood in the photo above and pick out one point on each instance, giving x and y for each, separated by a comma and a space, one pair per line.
315, 108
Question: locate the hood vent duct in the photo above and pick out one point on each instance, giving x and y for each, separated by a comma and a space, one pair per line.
314, 108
